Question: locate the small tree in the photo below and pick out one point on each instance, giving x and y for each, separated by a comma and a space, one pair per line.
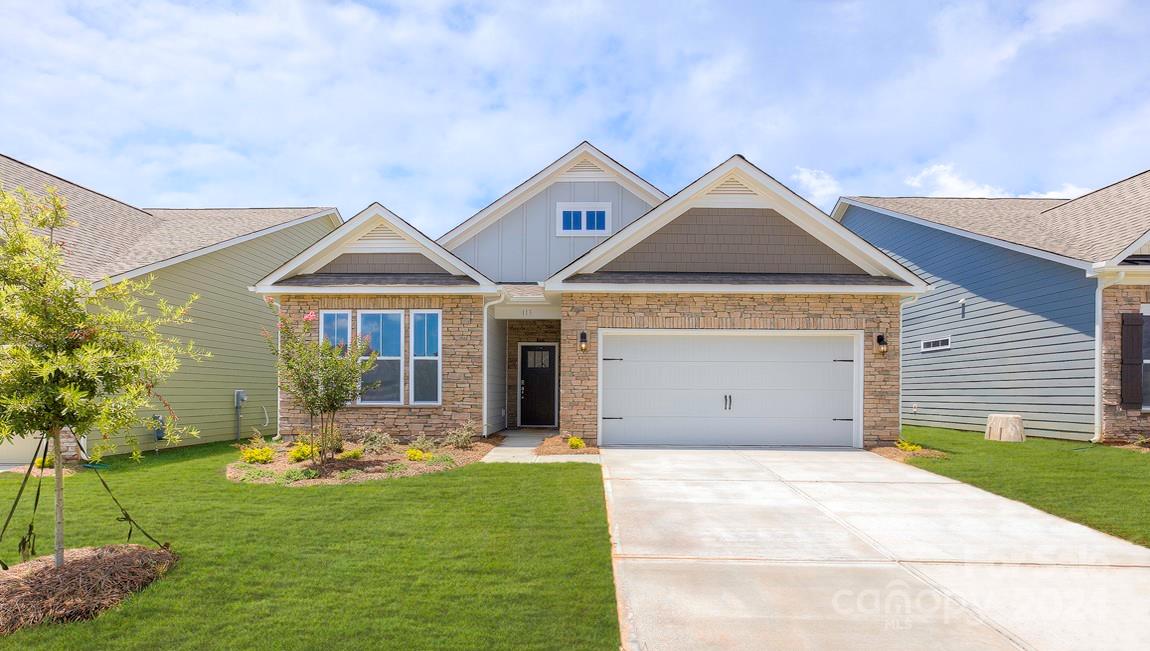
72, 356
321, 377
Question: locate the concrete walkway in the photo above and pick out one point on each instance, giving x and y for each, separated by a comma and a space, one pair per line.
519, 447
834, 549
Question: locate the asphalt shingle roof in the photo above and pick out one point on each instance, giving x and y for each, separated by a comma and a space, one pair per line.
107, 237
711, 278
1094, 227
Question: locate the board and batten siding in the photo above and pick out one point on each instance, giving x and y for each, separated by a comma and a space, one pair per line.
522, 245
1021, 343
227, 321
496, 375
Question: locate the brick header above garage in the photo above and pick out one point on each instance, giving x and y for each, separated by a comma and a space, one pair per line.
871, 314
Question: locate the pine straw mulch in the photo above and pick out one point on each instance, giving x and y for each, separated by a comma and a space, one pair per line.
92, 580
370, 467
895, 454
558, 445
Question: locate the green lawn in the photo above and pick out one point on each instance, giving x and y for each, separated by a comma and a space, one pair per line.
484, 557
1102, 487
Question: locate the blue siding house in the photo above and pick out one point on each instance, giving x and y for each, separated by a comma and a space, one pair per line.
1026, 308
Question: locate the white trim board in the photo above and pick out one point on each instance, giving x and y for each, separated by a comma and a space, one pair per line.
859, 337
184, 257
554, 172
840, 209
519, 379
765, 192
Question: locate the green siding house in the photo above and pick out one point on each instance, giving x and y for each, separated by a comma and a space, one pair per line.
217, 253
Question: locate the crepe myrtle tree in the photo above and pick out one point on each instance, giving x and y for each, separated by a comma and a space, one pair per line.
323, 378
73, 356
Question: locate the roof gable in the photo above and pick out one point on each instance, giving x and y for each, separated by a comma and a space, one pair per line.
375, 230
583, 163
738, 184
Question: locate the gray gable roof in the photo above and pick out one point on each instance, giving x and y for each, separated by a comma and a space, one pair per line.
107, 237
1095, 227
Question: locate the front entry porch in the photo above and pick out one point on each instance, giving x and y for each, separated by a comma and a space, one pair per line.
533, 373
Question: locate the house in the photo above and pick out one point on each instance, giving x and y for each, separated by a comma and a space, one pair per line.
585, 299
215, 253
1036, 309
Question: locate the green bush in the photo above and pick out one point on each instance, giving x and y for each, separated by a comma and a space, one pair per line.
298, 474
42, 462
350, 455
256, 474
575, 443
394, 466
463, 436
415, 454
257, 451
422, 443
302, 451
439, 460
344, 475
377, 442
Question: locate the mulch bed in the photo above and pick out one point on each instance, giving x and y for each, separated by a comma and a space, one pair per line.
48, 473
370, 467
558, 445
891, 452
92, 580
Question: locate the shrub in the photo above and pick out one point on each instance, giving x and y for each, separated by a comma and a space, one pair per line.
907, 446
302, 451
49, 462
575, 443
344, 475
298, 474
395, 466
422, 443
256, 474
377, 442
350, 455
415, 454
257, 451
463, 436
439, 459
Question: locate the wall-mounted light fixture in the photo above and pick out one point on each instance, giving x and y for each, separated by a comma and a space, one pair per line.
880, 341
583, 341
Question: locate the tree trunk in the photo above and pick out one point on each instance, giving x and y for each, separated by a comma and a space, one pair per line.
58, 464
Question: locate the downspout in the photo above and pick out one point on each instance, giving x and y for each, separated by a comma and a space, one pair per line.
1098, 331
486, 334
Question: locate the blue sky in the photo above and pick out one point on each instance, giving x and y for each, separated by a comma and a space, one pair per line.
436, 108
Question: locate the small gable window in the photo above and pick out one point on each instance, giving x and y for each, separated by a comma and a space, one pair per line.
588, 218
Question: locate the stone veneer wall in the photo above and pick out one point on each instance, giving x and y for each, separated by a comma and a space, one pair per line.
1119, 423
461, 347
872, 314
524, 330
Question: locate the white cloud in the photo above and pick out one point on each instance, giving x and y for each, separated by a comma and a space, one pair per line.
818, 186
940, 180
1065, 191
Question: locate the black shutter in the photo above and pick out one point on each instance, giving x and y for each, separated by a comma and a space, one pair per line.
1132, 361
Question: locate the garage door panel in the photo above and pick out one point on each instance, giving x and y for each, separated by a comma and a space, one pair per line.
727, 389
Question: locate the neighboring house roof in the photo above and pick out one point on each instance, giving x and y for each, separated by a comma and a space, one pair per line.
584, 162
109, 238
1097, 227
735, 183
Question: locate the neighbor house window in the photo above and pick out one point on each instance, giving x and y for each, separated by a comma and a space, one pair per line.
426, 357
335, 327
941, 343
382, 332
592, 218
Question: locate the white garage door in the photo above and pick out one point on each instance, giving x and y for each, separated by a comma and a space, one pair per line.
18, 451
710, 388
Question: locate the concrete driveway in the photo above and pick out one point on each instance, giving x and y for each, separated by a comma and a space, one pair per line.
830, 549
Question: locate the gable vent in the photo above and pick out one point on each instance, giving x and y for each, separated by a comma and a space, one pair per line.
382, 233
585, 166
731, 186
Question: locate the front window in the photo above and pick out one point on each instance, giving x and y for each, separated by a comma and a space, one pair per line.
382, 332
590, 218
426, 360
335, 328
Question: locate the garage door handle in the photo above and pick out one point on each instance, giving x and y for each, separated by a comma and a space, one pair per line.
843, 419
612, 418
842, 360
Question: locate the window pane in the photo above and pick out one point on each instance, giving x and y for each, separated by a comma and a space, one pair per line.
576, 220
392, 338
596, 220
425, 335
566, 220
335, 328
370, 327
425, 380
381, 384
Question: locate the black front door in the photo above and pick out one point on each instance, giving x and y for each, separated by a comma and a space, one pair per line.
537, 385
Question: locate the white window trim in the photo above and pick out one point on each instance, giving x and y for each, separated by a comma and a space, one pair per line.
359, 329
583, 206
922, 344
323, 331
411, 355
